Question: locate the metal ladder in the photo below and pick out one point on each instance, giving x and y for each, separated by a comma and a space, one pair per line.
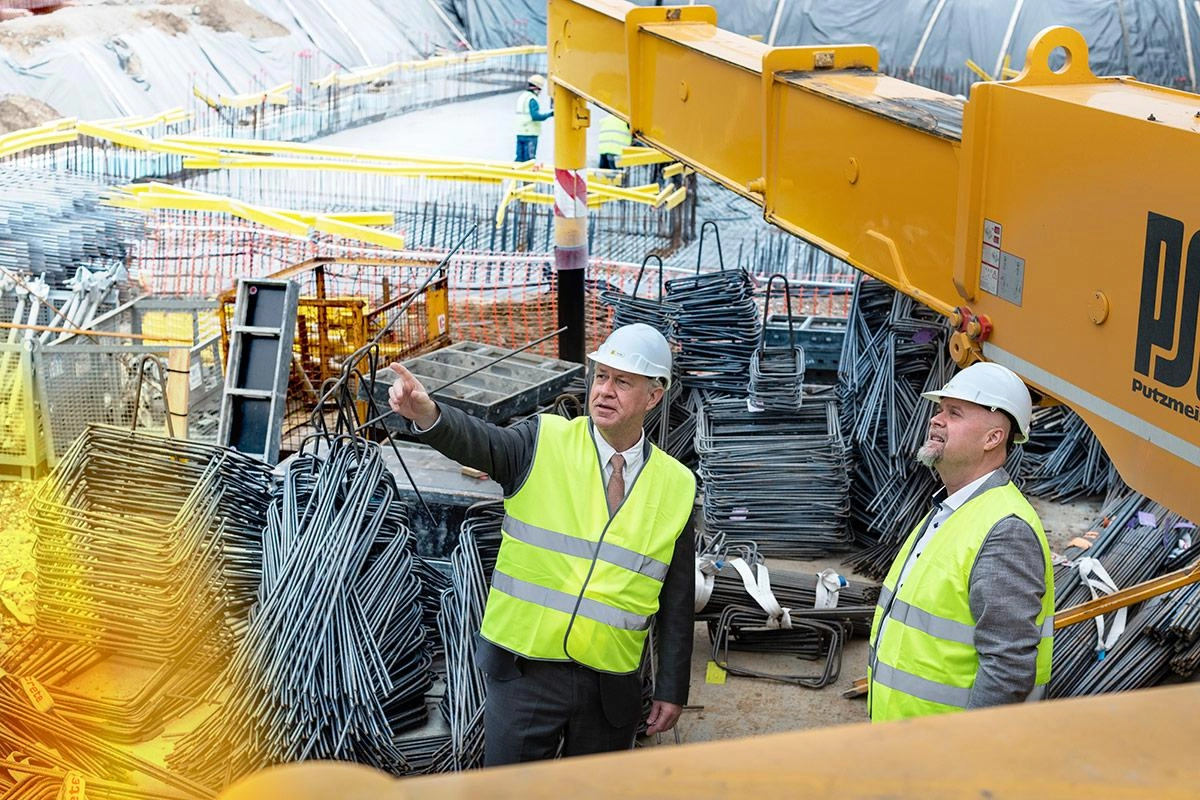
260, 360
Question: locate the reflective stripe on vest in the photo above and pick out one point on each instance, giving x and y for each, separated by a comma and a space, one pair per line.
526, 124
615, 136
925, 660
581, 548
572, 582
561, 601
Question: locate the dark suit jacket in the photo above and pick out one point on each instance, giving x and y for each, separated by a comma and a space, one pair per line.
506, 454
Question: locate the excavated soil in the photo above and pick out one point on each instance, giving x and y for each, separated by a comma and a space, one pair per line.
18, 112
23, 36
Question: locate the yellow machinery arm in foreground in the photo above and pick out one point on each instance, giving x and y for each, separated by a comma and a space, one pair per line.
1052, 217
1133, 745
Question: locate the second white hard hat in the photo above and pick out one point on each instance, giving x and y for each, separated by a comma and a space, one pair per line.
636, 348
537, 80
993, 386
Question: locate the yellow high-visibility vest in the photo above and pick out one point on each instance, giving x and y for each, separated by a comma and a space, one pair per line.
615, 136
571, 583
526, 124
925, 662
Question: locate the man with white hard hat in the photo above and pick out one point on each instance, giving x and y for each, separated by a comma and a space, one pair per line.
530, 118
965, 615
597, 543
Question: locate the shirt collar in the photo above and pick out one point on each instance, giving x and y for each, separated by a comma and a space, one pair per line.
633, 456
964, 494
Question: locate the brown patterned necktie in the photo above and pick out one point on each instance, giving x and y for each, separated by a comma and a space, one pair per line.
616, 483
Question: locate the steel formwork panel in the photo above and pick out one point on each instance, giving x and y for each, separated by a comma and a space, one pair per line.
499, 390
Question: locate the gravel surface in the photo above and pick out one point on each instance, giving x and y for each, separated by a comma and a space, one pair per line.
17, 570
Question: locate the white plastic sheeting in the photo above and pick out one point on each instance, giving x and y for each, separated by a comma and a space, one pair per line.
1148, 39
87, 77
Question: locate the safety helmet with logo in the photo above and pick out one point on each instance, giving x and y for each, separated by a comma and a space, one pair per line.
636, 348
538, 81
993, 386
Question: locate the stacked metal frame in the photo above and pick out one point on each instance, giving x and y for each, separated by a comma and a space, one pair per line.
894, 350
781, 479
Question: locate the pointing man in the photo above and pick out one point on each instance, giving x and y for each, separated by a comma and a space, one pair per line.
597, 542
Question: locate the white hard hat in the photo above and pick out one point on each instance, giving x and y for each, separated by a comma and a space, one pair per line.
636, 348
995, 387
537, 80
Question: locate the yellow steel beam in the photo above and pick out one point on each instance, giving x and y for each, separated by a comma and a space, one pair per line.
1057, 209
55, 132
276, 96
351, 225
1008, 752
370, 75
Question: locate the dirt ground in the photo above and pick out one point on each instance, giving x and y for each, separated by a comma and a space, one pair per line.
23, 36
751, 706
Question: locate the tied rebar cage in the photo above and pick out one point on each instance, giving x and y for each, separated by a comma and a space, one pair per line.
1132, 540
777, 373
894, 350
717, 323
779, 478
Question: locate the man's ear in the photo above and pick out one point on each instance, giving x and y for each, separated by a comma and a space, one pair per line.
996, 437
656, 395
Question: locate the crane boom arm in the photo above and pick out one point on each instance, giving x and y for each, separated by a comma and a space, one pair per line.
1051, 218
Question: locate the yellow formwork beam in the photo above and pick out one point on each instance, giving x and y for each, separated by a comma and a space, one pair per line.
353, 225
276, 96
54, 132
169, 117
373, 74
640, 156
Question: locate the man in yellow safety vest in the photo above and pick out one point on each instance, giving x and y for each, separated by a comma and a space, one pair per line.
966, 614
615, 136
530, 118
597, 542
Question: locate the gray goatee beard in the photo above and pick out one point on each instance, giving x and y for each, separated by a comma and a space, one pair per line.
929, 455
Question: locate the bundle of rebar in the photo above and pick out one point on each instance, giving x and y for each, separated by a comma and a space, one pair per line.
333, 663
779, 613
462, 614
144, 541
894, 350
51, 223
1134, 540
629, 308
35, 732
1063, 459
777, 371
716, 329
781, 479
147, 553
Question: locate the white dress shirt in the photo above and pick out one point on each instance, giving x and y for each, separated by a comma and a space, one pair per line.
633, 458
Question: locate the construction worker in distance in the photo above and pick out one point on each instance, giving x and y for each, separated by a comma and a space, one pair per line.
615, 136
966, 614
597, 542
530, 118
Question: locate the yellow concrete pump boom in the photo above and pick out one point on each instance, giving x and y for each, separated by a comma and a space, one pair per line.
1052, 217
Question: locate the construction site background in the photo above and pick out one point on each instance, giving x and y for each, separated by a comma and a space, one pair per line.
136, 226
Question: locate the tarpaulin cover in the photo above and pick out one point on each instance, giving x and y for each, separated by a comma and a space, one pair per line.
146, 70
1147, 39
